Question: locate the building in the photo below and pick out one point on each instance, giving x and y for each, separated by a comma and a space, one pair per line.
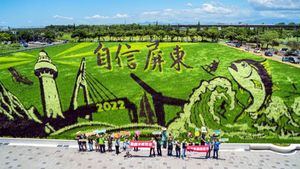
47, 72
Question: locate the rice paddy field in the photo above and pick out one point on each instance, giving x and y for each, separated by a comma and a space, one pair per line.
170, 82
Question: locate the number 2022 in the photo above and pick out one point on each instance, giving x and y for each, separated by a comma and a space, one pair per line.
112, 105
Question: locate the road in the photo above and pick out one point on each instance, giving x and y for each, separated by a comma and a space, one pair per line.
276, 58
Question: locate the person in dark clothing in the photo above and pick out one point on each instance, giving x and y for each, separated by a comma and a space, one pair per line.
109, 143
170, 146
164, 137
203, 139
184, 147
158, 146
84, 139
80, 146
177, 148
117, 145
136, 138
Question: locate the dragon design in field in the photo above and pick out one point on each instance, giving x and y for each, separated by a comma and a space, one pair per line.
216, 99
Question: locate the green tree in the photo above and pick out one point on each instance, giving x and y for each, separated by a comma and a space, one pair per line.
141, 33
229, 33
150, 32
192, 34
269, 38
80, 34
100, 34
4, 36
296, 34
50, 35
202, 34
161, 34
172, 34
25, 35
214, 34
294, 45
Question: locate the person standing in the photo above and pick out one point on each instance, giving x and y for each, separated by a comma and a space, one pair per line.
117, 145
216, 148
158, 146
84, 140
203, 134
177, 148
127, 149
109, 143
170, 146
152, 149
209, 143
164, 137
102, 144
78, 138
90, 142
184, 147
97, 146
136, 138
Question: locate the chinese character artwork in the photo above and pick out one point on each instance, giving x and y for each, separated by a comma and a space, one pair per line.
103, 56
178, 57
154, 58
129, 54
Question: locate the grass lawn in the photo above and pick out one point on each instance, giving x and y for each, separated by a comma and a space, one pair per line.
170, 82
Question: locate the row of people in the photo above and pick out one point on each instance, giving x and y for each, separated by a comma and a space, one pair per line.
98, 141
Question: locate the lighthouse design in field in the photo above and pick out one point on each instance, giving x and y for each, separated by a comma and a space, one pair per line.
47, 72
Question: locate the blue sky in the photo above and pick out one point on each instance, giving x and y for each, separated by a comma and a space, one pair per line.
35, 13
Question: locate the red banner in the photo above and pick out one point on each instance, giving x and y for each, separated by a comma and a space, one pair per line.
198, 148
141, 144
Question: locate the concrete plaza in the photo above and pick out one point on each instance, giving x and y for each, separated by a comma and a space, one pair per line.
44, 156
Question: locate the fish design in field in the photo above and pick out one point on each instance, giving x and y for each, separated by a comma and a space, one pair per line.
254, 78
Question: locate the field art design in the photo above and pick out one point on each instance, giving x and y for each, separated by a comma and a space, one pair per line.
59, 90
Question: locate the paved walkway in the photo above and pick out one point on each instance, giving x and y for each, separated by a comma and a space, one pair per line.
44, 157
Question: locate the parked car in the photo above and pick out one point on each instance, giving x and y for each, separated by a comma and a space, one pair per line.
296, 53
291, 53
284, 49
256, 50
268, 53
285, 59
291, 59
294, 59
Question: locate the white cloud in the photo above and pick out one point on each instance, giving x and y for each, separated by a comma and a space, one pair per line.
280, 14
275, 4
97, 17
189, 4
214, 9
62, 17
118, 15
276, 9
202, 11
150, 13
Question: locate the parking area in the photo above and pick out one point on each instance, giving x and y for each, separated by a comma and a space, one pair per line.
260, 53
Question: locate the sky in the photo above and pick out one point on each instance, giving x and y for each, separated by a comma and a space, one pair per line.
38, 13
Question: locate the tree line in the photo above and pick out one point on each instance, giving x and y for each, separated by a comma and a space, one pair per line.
262, 36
